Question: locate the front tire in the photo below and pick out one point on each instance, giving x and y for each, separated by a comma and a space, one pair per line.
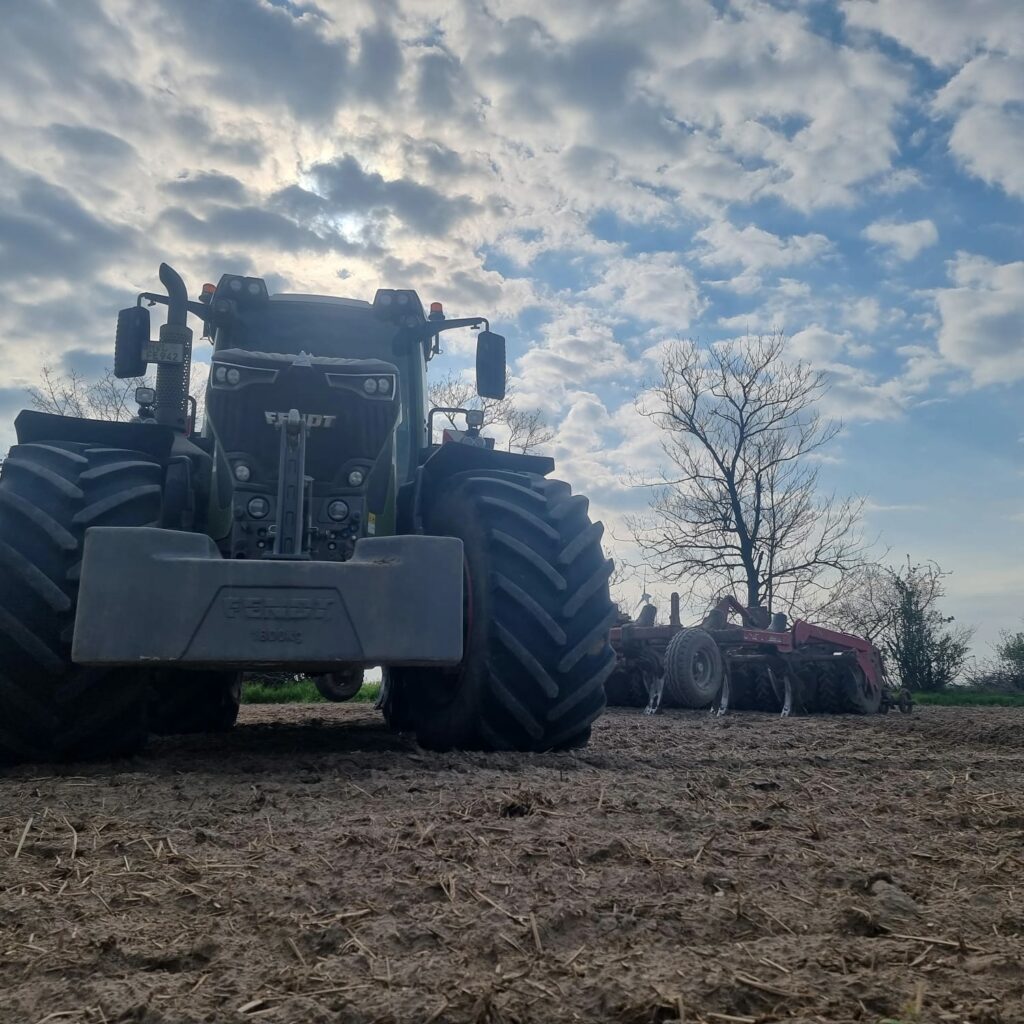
537, 615
50, 494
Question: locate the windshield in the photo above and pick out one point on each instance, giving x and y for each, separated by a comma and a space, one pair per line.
291, 326
319, 328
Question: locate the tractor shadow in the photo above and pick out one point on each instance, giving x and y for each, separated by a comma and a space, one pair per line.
268, 744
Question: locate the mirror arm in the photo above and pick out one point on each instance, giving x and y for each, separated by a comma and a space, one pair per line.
199, 309
433, 327
448, 411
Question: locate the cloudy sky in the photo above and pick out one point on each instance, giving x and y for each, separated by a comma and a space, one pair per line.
597, 176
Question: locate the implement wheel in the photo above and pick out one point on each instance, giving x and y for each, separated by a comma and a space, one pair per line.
339, 686
51, 709
194, 702
693, 669
537, 614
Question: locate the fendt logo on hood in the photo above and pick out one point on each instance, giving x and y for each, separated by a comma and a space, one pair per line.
313, 419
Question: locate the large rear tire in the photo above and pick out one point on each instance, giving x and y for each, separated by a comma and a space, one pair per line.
537, 614
693, 669
194, 702
50, 494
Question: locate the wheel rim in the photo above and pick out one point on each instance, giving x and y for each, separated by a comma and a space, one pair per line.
702, 670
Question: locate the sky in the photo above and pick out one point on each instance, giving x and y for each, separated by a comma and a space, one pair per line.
596, 176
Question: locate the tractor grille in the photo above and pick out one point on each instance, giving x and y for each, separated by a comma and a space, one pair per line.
349, 424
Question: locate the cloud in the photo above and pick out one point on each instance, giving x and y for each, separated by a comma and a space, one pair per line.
756, 251
252, 225
654, 287
579, 348
856, 391
92, 142
983, 318
348, 188
254, 53
943, 31
46, 233
49, 45
200, 186
984, 100
437, 87
983, 97
905, 240
376, 73
195, 130
815, 344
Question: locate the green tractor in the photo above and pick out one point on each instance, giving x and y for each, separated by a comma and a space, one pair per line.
312, 526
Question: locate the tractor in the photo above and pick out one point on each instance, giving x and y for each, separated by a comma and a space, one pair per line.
310, 526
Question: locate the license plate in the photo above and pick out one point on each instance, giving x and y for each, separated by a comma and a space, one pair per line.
157, 352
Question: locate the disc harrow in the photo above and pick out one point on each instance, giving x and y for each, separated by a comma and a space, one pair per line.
744, 659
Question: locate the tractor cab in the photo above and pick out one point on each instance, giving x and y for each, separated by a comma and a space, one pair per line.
350, 373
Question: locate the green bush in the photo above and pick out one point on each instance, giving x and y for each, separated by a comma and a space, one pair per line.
299, 691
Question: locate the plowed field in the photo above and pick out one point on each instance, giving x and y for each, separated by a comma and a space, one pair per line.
313, 867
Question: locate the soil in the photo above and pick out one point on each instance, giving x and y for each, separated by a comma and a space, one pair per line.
312, 867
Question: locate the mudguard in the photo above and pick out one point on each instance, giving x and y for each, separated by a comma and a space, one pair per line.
444, 461
38, 427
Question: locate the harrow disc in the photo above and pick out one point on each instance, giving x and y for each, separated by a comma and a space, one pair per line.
752, 690
837, 689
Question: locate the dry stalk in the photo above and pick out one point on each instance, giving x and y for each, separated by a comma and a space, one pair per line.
24, 834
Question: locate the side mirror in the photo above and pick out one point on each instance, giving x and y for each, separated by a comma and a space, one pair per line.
490, 365
130, 342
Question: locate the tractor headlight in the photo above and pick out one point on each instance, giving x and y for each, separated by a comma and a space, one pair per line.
242, 472
233, 376
370, 386
259, 508
220, 375
246, 290
338, 510
145, 396
356, 478
383, 385
397, 304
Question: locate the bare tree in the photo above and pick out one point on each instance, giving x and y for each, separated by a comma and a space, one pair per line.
866, 604
742, 507
105, 398
71, 394
526, 428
